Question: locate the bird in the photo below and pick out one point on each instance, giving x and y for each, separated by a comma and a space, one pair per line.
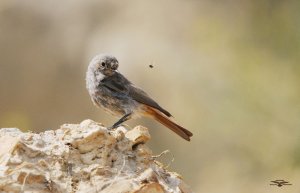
113, 92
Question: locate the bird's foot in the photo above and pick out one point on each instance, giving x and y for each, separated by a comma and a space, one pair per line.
112, 127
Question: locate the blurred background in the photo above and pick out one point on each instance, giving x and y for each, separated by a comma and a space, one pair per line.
228, 71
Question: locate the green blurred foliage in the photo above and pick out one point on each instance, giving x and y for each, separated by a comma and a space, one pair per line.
227, 70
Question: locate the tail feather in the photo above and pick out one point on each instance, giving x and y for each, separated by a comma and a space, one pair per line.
179, 130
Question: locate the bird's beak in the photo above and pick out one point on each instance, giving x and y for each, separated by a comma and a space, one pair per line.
114, 66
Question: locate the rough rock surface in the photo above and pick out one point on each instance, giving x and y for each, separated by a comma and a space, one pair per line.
85, 157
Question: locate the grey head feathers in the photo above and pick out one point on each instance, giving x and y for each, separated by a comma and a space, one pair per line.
101, 65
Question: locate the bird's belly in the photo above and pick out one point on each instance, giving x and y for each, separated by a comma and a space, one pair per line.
115, 104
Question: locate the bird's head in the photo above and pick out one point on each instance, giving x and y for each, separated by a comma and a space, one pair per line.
105, 64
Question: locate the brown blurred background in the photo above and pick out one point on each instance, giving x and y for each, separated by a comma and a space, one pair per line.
227, 70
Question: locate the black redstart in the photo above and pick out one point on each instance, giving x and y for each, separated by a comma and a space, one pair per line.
110, 90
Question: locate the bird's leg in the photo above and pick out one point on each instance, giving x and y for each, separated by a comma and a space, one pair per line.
123, 119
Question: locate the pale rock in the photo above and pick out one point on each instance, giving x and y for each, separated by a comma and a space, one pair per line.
83, 158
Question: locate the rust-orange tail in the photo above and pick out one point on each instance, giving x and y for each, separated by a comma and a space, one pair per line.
182, 132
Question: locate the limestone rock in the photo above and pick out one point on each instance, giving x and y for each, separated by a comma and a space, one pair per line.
85, 157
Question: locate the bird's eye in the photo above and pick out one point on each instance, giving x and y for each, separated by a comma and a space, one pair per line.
103, 64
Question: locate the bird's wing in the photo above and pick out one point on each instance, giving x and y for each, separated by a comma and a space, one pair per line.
117, 84
142, 97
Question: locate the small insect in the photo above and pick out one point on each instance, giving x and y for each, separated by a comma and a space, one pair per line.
151, 66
